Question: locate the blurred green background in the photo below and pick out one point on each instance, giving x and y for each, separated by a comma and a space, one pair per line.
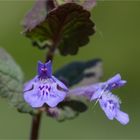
117, 43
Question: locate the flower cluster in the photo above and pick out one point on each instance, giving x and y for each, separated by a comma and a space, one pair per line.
46, 89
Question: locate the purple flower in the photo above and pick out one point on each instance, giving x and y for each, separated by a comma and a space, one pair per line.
112, 83
110, 104
44, 88
95, 91
115, 82
102, 93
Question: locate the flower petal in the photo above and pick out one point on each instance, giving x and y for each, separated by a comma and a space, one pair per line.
60, 83
55, 96
97, 94
115, 82
109, 113
86, 91
39, 66
37, 92
32, 95
122, 117
44, 70
29, 85
122, 83
114, 79
33, 98
48, 65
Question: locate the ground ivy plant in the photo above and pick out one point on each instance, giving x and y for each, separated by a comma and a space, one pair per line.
63, 25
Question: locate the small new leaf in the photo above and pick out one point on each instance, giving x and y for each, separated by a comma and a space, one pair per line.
67, 27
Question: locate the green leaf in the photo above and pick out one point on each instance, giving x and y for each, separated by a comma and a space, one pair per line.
23, 107
82, 73
68, 109
11, 76
11, 83
67, 27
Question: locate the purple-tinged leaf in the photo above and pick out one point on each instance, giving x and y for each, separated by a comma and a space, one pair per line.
68, 26
35, 15
38, 13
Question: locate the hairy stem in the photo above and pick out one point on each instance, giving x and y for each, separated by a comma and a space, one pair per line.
50, 54
35, 126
